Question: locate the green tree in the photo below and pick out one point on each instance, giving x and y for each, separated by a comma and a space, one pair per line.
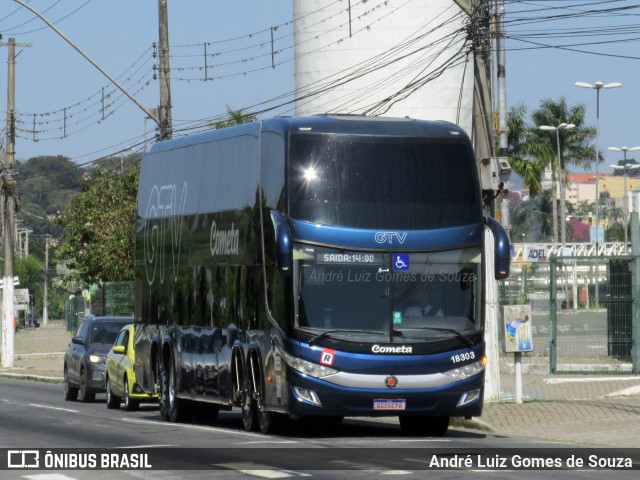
614, 233
524, 150
532, 150
584, 210
571, 147
98, 241
234, 117
531, 219
48, 181
30, 271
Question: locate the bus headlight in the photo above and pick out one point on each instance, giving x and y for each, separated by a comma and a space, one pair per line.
307, 368
466, 371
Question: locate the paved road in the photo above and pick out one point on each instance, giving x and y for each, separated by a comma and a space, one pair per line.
34, 415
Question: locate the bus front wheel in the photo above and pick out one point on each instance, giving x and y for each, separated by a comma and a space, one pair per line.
271, 422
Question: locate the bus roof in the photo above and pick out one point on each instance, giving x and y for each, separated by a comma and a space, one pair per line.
362, 124
325, 123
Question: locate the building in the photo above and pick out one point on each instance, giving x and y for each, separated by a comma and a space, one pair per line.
581, 187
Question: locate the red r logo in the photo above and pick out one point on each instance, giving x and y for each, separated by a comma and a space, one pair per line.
327, 356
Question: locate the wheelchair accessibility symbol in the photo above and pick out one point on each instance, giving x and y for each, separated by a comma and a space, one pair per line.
401, 261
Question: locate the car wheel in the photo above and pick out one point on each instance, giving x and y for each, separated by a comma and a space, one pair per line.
424, 426
70, 393
112, 400
84, 394
130, 404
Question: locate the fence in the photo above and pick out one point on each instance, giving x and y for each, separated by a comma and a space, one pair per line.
111, 299
582, 312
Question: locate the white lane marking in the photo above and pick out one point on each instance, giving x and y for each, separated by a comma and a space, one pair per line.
148, 446
423, 440
397, 472
49, 407
258, 470
48, 476
206, 429
269, 441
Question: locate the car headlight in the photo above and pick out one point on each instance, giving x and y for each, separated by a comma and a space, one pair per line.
466, 371
307, 368
93, 358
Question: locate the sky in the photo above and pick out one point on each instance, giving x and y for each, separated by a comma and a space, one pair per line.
59, 94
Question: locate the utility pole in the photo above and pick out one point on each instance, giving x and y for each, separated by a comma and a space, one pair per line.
503, 130
45, 299
164, 73
483, 142
9, 197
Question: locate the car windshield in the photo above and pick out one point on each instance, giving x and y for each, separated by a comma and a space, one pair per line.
105, 332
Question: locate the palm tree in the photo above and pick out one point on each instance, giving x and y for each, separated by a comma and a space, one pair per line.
615, 213
523, 151
574, 145
233, 117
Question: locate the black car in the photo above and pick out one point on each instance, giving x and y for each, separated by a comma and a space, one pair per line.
84, 360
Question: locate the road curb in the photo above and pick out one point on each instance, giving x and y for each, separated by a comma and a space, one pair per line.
30, 376
472, 424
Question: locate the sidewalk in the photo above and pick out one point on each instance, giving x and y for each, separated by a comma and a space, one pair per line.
39, 353
598, 410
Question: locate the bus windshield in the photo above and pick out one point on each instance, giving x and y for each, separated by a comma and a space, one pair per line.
383, 181
360, 295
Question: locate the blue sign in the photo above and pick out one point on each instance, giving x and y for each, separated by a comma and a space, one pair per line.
401, 261
592, 234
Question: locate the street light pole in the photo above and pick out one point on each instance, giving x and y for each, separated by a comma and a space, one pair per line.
597, 87
625, 172
562, 126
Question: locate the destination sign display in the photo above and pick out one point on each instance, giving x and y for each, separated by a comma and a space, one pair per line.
349, 258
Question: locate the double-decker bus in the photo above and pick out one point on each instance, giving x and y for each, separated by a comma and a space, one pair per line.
323, 266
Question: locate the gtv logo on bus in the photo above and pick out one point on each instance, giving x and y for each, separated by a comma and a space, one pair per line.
536, 253
390, 237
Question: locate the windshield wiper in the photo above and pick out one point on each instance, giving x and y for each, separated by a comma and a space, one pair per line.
327, 333
453, 331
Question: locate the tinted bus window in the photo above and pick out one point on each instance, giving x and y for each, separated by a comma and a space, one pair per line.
383, 182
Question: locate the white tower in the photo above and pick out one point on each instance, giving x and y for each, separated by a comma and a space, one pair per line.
392, 58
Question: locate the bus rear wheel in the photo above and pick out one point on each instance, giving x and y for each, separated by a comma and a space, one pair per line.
163, 396
249, 411
424, 425
179, 410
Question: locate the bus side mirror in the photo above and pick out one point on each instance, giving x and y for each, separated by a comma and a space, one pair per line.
284, 245
501, 247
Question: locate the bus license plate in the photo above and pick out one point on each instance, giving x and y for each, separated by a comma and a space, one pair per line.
389, 404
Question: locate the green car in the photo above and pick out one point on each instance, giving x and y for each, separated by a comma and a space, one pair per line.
120, 380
